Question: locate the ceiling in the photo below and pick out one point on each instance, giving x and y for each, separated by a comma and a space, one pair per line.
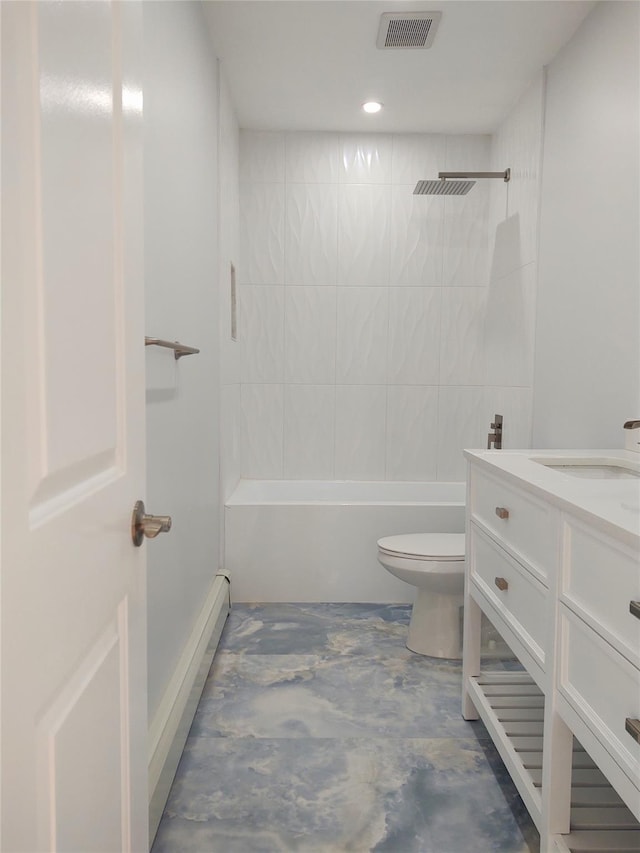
310, 64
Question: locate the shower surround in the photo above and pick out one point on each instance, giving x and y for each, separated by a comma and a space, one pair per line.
362, 307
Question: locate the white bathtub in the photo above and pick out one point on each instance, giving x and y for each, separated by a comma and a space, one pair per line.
297, 540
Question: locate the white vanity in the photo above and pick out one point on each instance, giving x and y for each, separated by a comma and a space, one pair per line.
553, 560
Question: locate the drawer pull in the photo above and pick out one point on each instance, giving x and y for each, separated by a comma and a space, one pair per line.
633, 727
502, 583
502, 512
634, 608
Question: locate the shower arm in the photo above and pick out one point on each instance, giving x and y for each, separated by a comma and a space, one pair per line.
506, 175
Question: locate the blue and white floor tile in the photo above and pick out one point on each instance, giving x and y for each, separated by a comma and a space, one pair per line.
318, 731
330, 696
340, 629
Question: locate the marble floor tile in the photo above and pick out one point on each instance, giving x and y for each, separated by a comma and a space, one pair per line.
427, 796
276, 629
319, 732
330, 696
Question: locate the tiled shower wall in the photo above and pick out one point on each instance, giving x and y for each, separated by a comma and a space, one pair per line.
362, 307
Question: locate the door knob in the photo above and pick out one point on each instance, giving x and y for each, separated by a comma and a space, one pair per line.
147, 525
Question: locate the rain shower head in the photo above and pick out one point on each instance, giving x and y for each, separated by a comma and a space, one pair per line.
442, 187
456, 183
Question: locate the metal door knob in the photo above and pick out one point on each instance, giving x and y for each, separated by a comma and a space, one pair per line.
147, 525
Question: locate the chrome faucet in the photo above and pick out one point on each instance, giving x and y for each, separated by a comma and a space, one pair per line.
495, 438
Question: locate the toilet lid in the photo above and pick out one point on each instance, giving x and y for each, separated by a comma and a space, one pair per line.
425, 546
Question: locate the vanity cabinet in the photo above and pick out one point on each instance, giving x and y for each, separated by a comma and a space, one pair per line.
599, 653
558, 580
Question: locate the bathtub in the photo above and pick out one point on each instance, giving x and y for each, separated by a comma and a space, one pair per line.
298, 540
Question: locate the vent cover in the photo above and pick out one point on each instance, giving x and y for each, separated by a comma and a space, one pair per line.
407, 30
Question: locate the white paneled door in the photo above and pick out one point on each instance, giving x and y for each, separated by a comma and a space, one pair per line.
74, 751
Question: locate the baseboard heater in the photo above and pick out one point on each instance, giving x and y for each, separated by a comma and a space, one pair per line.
170, 726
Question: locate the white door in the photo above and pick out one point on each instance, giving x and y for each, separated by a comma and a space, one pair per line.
74, 755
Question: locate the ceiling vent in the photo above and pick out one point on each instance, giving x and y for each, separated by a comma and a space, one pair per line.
407, 29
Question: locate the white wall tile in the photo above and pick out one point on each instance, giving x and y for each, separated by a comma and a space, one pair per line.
412, 432
466, 238
364, 213
230, 438
365, 323
310, 335
365, 158
507, 247
461, 425
510, 327
362, 326
416, 235
515, 405
312, 158
518, 145
360, 432
262, 431
261, 156
462, 342
261, 234
524, 135
309, 417
311, 234
261, 332
417, 157
414, 335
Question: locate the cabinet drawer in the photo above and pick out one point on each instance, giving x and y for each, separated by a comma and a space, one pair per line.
600, 578
522, 603
528, 528
602, 687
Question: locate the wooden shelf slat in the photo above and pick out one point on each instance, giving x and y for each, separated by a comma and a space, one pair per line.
613, 841
512, 708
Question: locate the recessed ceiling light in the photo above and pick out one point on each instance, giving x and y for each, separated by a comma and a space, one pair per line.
372, 107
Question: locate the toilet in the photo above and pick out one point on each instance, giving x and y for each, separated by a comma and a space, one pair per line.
434, 563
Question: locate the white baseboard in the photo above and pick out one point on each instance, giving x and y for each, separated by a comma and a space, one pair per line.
170, 726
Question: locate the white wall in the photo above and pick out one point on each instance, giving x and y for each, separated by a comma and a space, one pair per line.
361, 306
587, 369
181, 269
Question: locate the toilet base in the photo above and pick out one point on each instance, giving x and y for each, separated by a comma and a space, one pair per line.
434, 629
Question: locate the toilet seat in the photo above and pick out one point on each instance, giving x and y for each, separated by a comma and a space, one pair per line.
440, 547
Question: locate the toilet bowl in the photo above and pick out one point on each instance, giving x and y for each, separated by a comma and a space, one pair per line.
434, 563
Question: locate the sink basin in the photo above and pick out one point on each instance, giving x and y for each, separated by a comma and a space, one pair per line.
592, 469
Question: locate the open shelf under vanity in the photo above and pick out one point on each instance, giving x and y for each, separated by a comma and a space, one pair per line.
511, 706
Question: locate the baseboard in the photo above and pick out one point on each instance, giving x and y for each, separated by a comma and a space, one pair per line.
170, 726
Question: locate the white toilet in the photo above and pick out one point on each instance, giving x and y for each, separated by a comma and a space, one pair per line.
434, 563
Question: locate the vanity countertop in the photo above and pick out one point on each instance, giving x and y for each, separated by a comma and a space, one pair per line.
612, 505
